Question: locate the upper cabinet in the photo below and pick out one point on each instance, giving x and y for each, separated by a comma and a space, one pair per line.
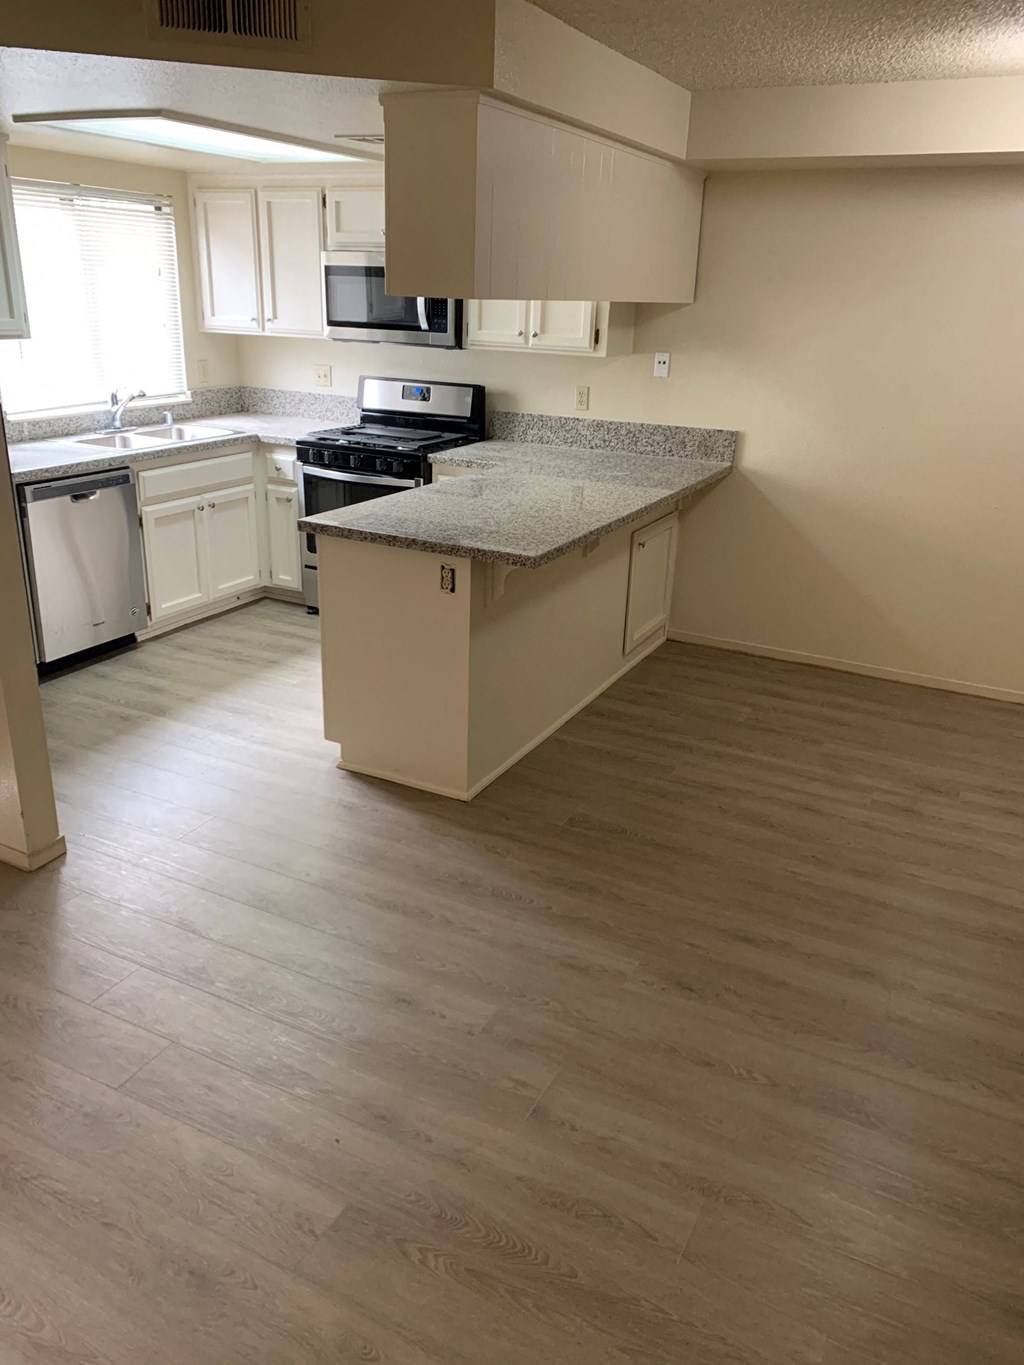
228, 256
290, 241
259, 249
13, 313
558, 327
355, 217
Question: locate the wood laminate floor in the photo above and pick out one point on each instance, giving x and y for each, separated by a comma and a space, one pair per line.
697, 1038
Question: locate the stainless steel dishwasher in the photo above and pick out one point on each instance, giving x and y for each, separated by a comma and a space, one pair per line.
83, 553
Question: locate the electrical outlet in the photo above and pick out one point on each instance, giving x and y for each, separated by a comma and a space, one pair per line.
447, 577
202, 371
661, 364
582, 402
323, 376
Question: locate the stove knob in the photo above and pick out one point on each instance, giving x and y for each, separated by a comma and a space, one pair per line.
396, 468
355, 462
383, 465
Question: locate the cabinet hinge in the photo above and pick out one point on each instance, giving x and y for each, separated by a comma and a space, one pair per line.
323, 198
597, 336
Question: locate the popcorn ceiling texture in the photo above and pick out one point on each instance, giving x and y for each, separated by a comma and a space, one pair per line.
725, 44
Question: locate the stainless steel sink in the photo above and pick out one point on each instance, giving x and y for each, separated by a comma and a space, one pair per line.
145, 438
118, 440
183, 432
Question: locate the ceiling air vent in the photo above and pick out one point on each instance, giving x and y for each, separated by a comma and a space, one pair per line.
269, 23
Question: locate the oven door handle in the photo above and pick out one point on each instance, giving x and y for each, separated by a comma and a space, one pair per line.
314, 472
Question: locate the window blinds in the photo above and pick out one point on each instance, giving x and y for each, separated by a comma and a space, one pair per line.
101, 280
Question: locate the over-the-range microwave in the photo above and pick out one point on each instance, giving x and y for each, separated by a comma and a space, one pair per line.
357, 307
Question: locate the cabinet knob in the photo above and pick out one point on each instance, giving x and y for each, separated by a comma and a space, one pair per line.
254, 319
519, 333
202, 508
212, 505
273, 319
287, 499
535, 334
642, 544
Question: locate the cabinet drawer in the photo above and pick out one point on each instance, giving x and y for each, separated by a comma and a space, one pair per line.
177, 480
280, 465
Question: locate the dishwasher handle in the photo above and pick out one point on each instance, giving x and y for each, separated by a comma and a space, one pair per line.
76, 488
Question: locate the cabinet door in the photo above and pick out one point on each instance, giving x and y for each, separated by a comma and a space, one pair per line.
496, 322
557, 325
232, 547
175, 545
355, 217
283, 519
290, 239
651, 562
13, 314
228, 259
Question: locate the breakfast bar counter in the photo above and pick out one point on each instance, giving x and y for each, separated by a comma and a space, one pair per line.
464, 621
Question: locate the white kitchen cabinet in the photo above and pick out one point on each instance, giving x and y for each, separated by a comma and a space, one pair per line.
561, 327
283, 537
174, 539
497, 322
355, 217
290, 242
13, 312
556, 325
652, 557
232, 547
227, 242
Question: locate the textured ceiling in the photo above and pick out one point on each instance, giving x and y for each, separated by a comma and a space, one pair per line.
718, 44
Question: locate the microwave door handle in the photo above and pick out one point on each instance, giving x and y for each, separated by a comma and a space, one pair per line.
421, 308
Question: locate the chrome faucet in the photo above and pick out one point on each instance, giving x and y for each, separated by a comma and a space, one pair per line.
118, 405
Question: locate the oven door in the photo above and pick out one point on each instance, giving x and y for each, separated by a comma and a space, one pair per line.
327, 490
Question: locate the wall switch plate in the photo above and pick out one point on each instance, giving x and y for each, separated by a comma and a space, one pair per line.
323, 376
582, 400
202, 371
661, 364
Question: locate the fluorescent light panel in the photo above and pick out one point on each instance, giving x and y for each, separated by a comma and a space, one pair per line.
162, 129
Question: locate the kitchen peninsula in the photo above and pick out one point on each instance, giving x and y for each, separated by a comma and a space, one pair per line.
464, 622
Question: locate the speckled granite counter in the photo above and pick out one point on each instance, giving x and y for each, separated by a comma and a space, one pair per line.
529, 504
33, 461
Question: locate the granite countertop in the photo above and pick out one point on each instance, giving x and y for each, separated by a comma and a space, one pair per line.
33, 461
529, 504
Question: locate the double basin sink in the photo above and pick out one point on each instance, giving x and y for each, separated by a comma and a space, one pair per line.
146, 438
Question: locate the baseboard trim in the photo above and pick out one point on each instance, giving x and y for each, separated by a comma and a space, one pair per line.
31, 862
796, 656
478, 787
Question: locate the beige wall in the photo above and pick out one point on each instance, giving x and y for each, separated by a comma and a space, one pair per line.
865, 331
28, 821
220, 352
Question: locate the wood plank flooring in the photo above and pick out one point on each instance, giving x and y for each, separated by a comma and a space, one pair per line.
697, 1038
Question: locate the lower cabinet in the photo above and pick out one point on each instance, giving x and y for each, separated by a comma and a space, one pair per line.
652, 557
199, 549
283, 537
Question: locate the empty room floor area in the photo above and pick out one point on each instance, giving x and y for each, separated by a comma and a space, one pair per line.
696, 1037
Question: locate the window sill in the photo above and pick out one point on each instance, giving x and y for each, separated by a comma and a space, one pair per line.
158, 400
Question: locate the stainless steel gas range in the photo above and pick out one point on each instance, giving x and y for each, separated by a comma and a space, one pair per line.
402, 423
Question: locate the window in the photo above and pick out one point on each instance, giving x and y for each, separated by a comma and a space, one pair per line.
101, 280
